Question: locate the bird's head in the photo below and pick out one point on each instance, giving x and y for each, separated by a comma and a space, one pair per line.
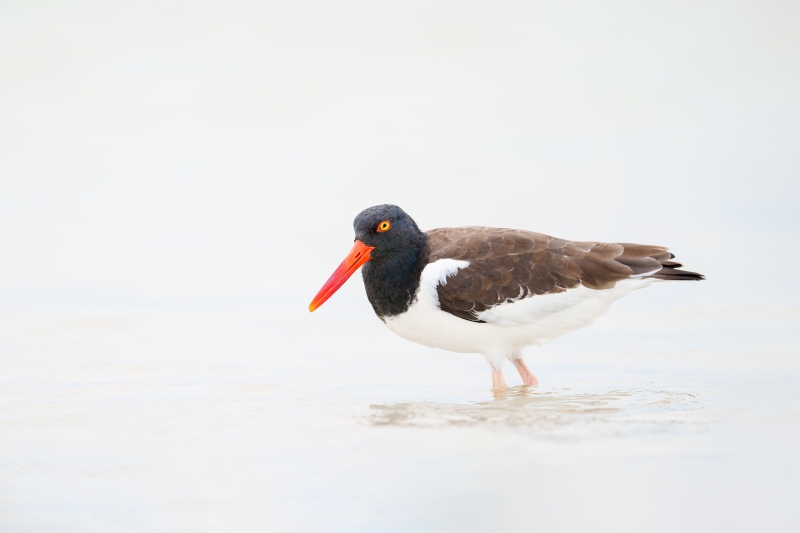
383, 232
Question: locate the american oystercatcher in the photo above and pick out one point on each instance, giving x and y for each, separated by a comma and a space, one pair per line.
491, 291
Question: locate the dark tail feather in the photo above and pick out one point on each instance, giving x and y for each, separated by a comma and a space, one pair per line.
671, 272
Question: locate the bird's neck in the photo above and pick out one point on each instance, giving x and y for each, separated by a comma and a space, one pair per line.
392, 282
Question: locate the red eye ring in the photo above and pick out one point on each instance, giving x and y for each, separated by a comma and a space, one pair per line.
384, 226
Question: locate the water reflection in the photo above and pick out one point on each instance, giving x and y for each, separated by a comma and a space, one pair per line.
555, 412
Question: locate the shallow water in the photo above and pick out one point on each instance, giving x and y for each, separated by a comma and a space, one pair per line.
554, 414
176, 419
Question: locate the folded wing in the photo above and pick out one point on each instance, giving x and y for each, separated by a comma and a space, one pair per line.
506, 266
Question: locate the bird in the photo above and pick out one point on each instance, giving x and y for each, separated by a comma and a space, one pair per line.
491, 291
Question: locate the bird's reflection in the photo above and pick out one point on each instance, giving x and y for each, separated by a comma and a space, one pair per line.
531, 409
514, 392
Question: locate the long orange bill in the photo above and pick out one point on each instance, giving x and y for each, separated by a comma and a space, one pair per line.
357, 257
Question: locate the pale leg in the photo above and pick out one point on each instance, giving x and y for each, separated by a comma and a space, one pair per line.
527, 376
498, 381
496, 360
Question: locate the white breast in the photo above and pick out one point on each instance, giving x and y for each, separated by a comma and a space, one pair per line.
508, 327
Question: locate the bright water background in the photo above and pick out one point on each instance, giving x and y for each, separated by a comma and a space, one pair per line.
177, 179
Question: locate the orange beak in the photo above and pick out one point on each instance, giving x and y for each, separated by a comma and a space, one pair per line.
357, 257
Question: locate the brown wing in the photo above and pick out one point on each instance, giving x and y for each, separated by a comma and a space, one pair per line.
508, 264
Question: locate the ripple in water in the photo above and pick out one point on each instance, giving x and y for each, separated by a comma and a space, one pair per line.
557, 413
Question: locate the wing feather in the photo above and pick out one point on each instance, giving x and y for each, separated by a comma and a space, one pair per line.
507, 265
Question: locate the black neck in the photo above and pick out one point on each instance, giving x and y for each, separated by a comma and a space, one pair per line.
392, 281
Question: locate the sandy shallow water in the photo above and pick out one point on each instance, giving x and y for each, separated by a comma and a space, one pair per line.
176, 419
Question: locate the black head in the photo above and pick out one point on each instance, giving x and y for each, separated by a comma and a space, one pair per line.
390, 247
390, 231
391, 276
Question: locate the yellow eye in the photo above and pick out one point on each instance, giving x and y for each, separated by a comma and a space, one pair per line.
384, 226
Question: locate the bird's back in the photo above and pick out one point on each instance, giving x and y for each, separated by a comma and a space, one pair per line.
508, 266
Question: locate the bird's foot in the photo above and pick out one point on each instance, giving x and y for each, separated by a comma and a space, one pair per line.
524, 372
498, 381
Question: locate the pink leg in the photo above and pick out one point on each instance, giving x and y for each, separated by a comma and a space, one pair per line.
527, 376
498, 381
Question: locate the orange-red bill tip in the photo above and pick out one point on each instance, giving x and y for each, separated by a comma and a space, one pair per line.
357, 257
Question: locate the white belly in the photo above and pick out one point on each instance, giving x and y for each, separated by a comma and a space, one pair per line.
508, 327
